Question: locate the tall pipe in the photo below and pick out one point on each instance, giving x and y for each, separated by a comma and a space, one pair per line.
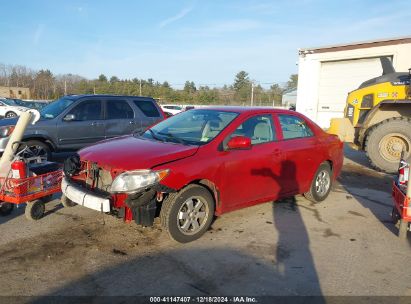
17, 135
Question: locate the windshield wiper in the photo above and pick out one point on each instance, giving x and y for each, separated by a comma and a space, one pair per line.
172, 136
153, 134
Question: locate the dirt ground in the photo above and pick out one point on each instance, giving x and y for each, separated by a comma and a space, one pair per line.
346, 245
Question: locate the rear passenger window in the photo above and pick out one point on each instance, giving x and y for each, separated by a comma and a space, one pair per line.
294, 127
119, 109
147, 107
87, 110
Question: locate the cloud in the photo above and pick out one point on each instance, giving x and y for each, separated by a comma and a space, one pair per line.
38, 33
175, 18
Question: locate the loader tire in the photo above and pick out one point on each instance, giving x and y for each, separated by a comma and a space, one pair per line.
386, 140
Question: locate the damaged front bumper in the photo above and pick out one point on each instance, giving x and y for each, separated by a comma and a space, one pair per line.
141, 205
84, 197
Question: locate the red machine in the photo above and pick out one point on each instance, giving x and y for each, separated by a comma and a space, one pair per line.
30, 183
401, 193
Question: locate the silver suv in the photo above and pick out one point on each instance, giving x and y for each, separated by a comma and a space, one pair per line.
75, 121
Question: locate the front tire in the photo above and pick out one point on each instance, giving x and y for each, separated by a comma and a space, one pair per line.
36, 148
187, 214
386, 141
321, 184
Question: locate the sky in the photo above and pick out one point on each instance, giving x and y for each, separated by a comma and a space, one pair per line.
205, 41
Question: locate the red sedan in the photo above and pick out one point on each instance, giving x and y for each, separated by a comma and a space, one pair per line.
202, 163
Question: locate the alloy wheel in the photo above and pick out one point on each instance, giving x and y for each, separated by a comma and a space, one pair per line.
192, 215
322, 183
35, 153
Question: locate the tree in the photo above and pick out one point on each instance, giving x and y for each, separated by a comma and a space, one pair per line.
292, 82
241, 80
102, 78
276, 93
190, 87
44, 84
242, 86
114, 79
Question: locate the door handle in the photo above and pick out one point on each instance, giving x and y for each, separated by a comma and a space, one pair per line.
95, 123
277, 152
132, 122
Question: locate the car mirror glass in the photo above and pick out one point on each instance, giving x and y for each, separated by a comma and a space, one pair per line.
239, 143
69, 117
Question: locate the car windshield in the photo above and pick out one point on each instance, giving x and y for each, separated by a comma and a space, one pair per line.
196, 127
54, 109
9, 102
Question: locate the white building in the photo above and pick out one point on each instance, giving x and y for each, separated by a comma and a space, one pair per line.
327, 74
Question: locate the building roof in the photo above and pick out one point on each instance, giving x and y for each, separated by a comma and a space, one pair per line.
244, 109
356, 45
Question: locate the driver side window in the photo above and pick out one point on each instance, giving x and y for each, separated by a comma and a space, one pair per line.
260, 129
87, 110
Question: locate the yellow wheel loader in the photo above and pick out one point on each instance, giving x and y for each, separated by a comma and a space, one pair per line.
377, 118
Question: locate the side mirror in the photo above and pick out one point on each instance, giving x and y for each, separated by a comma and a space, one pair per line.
69, 117
239, 143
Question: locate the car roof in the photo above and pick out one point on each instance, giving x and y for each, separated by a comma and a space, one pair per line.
106, 95
240, 109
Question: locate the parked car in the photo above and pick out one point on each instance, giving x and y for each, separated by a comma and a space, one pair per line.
73, 122
204, 162
186, 108
9, 108
36, 105
172, 109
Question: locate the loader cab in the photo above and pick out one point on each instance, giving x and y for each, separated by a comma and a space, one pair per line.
392, 86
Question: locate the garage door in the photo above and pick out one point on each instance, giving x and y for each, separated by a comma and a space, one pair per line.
337, 78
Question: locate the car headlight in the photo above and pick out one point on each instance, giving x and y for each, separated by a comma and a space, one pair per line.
6, 131
131, 181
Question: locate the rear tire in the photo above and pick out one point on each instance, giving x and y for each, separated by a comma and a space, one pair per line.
385, 142
187, 214
6, 208
321, 184
10, 114
35, 210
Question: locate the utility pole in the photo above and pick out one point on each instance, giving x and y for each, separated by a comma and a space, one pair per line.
140, 87
252, 93
65, 87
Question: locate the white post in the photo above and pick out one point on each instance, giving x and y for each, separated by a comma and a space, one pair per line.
252, 94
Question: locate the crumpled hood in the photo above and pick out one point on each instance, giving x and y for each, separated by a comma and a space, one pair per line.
131, 153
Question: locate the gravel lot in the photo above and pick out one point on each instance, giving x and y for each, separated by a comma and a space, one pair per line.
346, 245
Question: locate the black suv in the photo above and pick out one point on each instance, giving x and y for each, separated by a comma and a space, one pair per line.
75, 121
